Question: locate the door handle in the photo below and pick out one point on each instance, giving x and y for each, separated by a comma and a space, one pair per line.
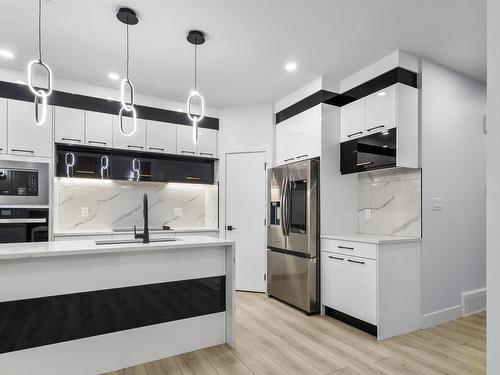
345, 247
206, 153
134, 146
282, 208
71, 139
97, 142
193, 178
188, 152
230, 227
288, 159
302, 156
375, 127
336, 258
363, 163
21, 150
355, 261
353, 134
157, 148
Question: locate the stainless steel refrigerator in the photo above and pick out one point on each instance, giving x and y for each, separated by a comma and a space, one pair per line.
292, 234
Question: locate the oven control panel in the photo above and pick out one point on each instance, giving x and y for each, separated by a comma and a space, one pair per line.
18, 182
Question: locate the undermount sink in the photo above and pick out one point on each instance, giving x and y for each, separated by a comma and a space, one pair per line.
133, 240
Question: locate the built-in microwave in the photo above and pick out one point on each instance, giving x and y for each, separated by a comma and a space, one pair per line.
24, 183
374, 151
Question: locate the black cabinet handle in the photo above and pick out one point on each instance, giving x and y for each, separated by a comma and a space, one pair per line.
188, 152
336, 258
345, 247
206, 153
157, 148
20, 150
355, 261
71, 139
353, 134
375, 127
302, 156
288, 159
97, 142
364, 163
134, 146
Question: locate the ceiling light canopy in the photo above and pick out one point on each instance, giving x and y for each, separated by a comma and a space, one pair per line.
128, 17
6, 54
40, 94
290, 66
196, 38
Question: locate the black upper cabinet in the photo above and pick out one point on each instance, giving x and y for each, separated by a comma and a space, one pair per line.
374, 151
98, 163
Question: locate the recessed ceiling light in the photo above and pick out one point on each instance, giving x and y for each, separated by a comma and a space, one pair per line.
113, 76
21, 82
381, 93
291, 66
6, 54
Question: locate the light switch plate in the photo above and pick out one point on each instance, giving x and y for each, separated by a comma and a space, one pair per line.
177, 212
437, 204
84, 212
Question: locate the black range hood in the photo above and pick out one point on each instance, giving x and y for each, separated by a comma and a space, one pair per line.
112, 164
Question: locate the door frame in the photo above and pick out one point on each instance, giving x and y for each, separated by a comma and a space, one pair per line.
264, 205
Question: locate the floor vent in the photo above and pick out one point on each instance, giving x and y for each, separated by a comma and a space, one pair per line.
473, 302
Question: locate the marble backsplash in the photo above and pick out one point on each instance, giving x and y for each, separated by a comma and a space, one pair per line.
118, 205
390, 202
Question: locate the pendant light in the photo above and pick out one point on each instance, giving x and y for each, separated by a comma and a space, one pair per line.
40, 94
128, 17
196, 38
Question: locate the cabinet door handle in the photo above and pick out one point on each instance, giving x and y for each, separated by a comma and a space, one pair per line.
289, 159
206, 153
193, 178
336, 258
134, 146
98, 142
364, 163
157, 148
345, 247
71, 139
355, 261
375, 127
302, 156
188, 152
353, 134
20, 150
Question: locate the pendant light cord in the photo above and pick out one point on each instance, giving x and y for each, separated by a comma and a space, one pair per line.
128, 57
40, 30
195, 72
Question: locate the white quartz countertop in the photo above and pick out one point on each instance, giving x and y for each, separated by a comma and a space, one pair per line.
126, 231
88, 247
369, 238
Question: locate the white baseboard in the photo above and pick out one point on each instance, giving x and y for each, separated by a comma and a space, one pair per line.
473, 302
441, 316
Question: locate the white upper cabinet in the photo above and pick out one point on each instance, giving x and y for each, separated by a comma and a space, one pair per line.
3, 126
134, 142
161, 137
381, 110
185, 144
299, 137
98, 129
24, 136
207, 142
69, 125
352, 120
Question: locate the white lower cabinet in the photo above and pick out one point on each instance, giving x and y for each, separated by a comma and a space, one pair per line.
377, 283
25, 137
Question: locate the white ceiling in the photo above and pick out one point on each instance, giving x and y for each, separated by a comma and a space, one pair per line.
248, 42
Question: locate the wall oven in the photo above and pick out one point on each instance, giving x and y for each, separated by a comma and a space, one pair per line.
24, 183
24, 225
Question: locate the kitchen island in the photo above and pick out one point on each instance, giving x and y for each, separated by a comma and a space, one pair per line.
75, 307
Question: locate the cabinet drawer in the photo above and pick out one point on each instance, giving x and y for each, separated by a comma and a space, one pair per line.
357, 249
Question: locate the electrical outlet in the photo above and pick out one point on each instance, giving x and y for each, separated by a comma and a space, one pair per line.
177, 212
437, 204
84, 212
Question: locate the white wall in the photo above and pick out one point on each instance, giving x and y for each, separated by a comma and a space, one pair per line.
243, 129
493, 218
454, 169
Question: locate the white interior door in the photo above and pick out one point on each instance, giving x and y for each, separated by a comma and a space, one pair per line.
245, 215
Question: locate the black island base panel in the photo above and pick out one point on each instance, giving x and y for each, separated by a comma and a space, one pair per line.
41, 321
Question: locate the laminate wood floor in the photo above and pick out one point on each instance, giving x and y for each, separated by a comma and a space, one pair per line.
274, 338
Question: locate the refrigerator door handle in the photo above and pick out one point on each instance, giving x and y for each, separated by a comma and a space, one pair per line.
282, 207
288, 204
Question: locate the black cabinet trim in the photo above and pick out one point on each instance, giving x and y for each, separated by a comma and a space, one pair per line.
17, 91
396, 75
42, 321
352, 321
